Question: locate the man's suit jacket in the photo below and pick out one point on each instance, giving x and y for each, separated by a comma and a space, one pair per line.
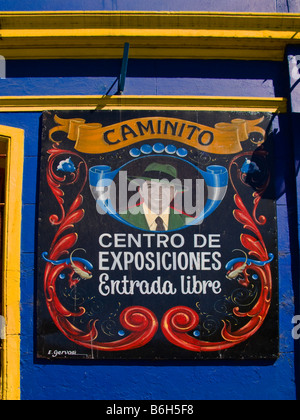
176, 220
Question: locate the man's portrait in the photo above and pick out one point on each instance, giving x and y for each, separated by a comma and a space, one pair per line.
158, 187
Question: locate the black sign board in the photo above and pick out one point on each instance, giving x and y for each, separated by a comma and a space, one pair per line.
157, 236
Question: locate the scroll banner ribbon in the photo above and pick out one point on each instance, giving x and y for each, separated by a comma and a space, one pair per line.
93, 138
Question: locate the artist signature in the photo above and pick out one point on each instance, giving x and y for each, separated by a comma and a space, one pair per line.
62, 353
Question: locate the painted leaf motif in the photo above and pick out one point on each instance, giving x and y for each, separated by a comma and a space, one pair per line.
63, 245
254, 246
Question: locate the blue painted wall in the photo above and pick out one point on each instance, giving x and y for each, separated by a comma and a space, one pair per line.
157, 380
281, 6
109, 380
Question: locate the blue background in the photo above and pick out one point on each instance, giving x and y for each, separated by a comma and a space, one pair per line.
158, 380
273, 6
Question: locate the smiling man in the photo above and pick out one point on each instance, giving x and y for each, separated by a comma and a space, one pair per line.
158, 188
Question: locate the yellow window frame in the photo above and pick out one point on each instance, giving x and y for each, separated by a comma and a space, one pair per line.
10, 357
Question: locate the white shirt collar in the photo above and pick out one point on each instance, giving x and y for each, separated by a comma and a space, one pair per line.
151, 217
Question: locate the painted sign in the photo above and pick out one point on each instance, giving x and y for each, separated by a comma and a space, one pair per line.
156, 236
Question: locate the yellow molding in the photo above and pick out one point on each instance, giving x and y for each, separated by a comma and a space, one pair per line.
41, 35
93, 102
10, 364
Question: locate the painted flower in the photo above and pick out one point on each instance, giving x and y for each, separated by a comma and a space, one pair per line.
66, 166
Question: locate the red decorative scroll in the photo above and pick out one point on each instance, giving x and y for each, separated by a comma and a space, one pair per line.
140, 321
180, 321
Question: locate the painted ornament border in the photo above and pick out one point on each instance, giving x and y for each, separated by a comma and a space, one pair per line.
178, 322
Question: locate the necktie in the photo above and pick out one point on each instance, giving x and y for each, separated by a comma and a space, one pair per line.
159, 224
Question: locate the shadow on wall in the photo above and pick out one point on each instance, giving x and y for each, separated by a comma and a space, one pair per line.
287, 153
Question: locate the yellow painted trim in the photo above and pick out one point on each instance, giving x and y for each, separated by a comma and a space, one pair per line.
10, 375
92, 102
101, 34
